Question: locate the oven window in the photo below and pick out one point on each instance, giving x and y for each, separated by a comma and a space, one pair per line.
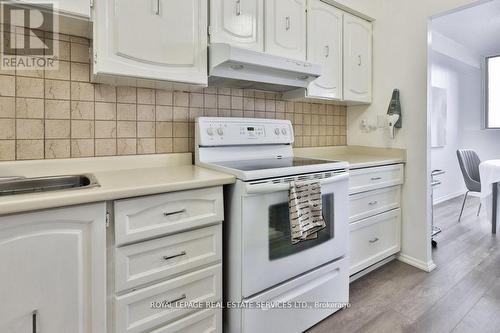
280, 243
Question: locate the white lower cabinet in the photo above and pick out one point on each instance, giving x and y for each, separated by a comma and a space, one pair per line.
146, 308
206, 321
363, 205
52, 272
367, 179
165, 214
168, 249
374, 239
374, 215
145, 262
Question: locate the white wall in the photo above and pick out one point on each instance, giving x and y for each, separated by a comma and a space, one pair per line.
400, 61
457, 68
463, 85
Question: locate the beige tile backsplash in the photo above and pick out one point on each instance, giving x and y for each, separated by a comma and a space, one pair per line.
60, 114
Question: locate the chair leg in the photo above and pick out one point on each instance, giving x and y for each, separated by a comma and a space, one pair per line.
479, 209
463, 205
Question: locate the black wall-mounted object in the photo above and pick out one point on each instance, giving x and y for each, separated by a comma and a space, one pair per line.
395, 108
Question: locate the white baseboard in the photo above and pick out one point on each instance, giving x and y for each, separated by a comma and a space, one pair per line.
425, 266
447, 197
373, 267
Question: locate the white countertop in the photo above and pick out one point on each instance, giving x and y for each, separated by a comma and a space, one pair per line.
131, 176
119, 177
357, 156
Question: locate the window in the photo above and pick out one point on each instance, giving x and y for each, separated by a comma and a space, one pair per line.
493, 92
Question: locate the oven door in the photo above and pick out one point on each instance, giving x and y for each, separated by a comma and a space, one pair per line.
269, 257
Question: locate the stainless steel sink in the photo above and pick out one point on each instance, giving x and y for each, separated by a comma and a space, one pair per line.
20, 185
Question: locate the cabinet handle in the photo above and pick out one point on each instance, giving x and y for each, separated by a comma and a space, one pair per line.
156, 8
327, 51
376, 178
183, 296
34, 321
175, 212
374, 202
238, 7
359, 59
374, 240
287, 23
183, 253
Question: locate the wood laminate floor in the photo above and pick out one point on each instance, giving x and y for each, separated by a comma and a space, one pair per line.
461, 295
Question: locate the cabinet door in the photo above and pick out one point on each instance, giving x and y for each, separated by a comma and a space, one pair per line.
357, 59
237, 22
79, 8
154, 39
324, 35
285, 32
53, 271
75, 7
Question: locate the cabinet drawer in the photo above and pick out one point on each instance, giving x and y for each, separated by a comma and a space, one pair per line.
366, 204
152, 216
208, 321
362, 180
134, 312
374, 239
160, 258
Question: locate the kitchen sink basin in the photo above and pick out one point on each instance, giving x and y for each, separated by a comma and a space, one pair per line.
21, 185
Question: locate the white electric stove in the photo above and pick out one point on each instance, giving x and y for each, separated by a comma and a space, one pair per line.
261, 265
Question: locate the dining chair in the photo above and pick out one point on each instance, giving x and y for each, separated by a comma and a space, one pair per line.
469, 164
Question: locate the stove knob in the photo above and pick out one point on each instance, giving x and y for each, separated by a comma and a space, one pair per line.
277, 131
210, 131
283, 130
220, 131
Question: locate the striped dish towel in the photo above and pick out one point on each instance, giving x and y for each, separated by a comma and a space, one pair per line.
306, 216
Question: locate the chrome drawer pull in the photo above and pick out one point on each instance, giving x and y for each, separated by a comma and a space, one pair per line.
376, 178
157, 7
183, 253
175, 212
238, 7
374, 202
374, 240
183, 296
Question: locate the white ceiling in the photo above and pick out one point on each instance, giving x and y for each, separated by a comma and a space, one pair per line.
476, 27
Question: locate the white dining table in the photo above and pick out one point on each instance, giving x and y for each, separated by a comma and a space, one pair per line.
489, 172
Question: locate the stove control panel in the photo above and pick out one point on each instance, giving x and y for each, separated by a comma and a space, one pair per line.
214, 131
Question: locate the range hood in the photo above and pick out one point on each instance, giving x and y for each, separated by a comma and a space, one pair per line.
236, 67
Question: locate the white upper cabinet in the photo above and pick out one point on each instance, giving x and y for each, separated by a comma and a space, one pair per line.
285, 28
357, 59
324, 36
75, 7
80, 8
52, 276
238, 22
163, 40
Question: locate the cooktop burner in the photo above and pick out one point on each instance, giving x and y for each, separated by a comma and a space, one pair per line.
271, 163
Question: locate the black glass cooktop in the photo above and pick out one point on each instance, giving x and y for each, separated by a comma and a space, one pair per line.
271, 163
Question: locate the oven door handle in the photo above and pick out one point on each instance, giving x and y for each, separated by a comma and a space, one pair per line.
270, 187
